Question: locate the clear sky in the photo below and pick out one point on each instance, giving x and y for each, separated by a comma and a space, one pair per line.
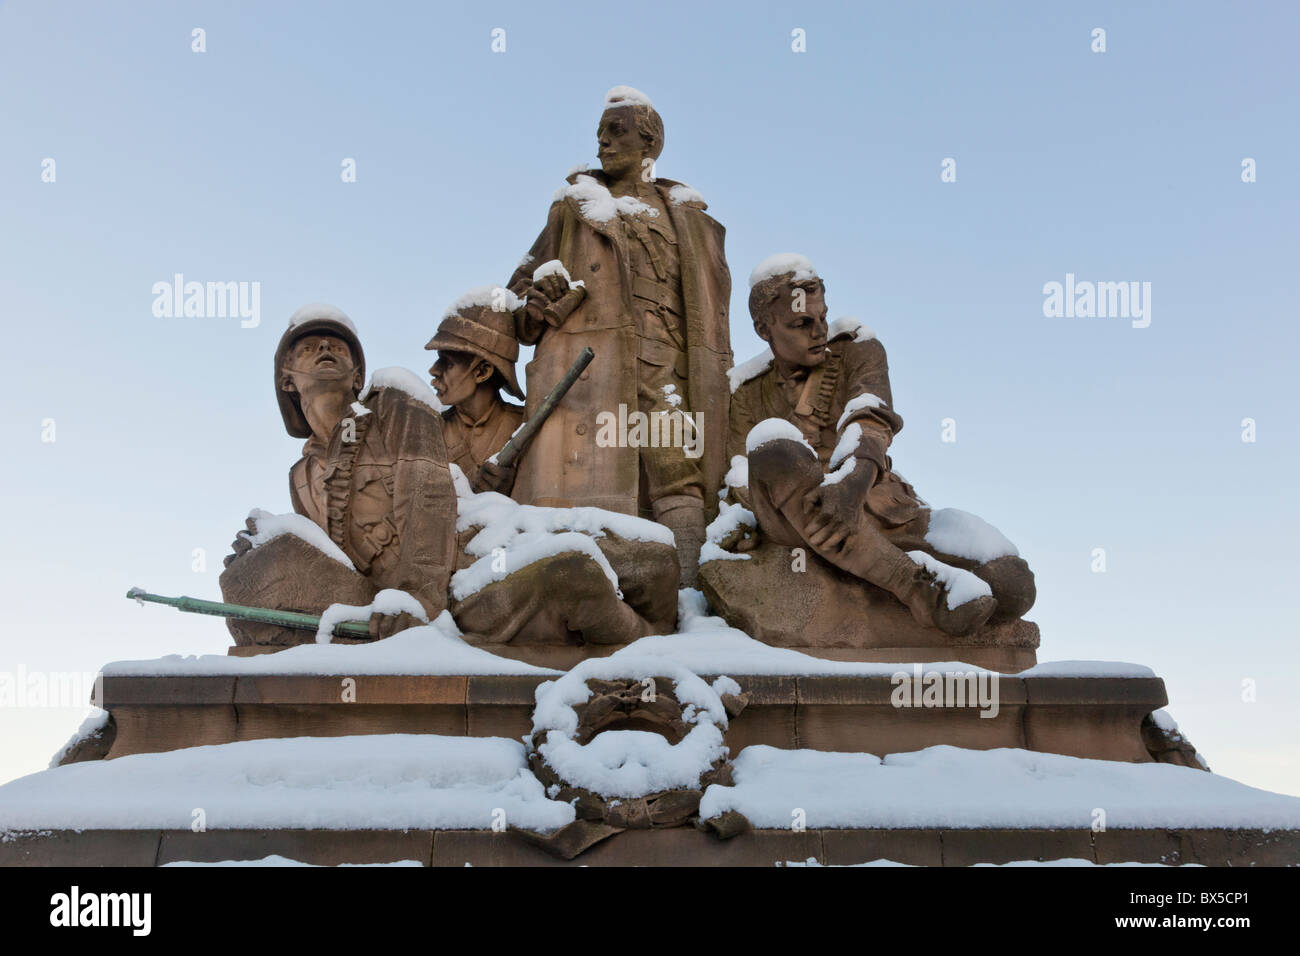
1072, 433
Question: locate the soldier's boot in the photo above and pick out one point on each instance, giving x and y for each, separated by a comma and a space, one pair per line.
684, 516
919, 588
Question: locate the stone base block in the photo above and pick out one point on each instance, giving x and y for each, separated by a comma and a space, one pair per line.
683, 846
1081, 716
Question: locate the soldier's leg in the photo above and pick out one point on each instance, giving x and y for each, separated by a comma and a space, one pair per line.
781, 472
674, 481
1008, 576
648, 575
563, 599
287, 574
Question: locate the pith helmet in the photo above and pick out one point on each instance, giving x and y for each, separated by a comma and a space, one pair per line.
474, 324
315, 318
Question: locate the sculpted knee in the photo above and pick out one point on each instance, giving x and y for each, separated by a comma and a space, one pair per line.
575, 577
783, 466
1012, 584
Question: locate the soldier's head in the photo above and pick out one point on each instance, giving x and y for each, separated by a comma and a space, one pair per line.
787, 301
476, 346
318, 353
456, 376
630, 132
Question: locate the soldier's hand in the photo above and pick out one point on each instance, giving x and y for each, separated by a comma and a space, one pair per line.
386, 625
750, 539
241, 545
552, 286
825, 532
494, 477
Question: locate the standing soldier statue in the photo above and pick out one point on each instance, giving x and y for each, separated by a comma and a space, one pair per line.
647, 288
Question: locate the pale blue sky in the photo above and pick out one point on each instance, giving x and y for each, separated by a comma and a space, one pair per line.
1072, 434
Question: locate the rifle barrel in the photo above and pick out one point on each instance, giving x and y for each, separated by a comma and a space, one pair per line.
260, 615
520, 439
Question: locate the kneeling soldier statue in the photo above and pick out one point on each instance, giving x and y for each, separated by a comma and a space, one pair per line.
373, 477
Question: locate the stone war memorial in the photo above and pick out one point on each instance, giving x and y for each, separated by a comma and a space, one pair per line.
639, 602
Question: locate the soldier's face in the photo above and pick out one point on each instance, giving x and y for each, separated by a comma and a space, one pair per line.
320, 360
619, 146
456, 375
794, 324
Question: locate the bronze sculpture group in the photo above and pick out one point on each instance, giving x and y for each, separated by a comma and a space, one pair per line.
632, 267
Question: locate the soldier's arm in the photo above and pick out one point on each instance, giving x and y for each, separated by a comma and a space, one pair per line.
865, 430
741, 419
529, 323
869, 422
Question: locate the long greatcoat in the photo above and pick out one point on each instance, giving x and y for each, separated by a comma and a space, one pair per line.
564, 467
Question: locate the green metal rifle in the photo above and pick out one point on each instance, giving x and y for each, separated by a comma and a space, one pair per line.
260, 615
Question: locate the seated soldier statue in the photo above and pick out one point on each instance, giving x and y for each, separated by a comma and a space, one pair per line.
820, 477
373, 476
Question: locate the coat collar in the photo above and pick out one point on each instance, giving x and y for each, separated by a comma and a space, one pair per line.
665, 187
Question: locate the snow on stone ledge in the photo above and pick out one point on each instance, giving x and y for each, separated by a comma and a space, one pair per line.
1001, 788
1087, 669
92, 726
707, 645
812, 861
435, 648
276, 860
382, 781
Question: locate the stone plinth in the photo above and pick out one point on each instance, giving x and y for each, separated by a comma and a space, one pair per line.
1095, 717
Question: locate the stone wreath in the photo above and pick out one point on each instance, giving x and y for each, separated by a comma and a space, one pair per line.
631, 744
